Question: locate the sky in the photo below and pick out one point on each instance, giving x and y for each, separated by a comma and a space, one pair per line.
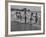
32, 8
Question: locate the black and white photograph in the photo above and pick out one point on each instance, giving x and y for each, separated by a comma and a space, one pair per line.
25, 18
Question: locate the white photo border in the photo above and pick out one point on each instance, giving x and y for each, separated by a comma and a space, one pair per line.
23, 32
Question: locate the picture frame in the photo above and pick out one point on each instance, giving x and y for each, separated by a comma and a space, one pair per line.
25, 26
